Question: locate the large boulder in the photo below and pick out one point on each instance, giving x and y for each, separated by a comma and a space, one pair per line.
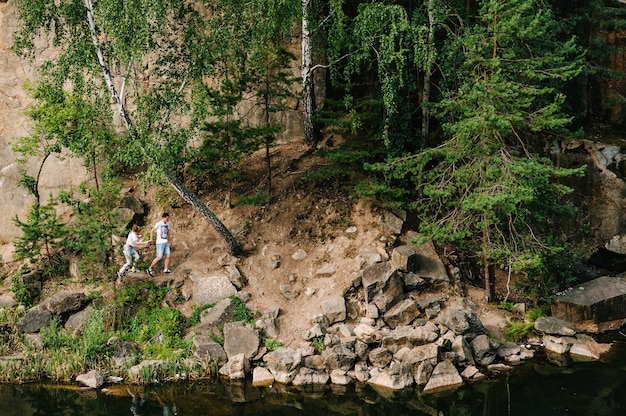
241, 338
34, 320
382, 284
595, 306
64, 302
444, 376
208, 290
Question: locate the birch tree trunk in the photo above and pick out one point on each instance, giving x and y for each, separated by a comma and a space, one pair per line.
232, 245
427, 74
308, 93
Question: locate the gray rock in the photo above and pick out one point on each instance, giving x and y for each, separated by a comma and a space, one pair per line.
315, 362
418, 354
402, 313
282, 363
326, 270
484, 349
299, 255
370, 257
261, 377
361, 371
397, 377
382, 285
585, 348
404, 258
367, 333
63, 302
361, 349
268, 328
555, 326
412, 281
423, 372
462, 351
7, 301
557, 345
393, 222
444, 376
92, 379
380, 357
137, 369
408, 336
313, 332
338, 356
334, 309
305, 376
288, 291
209, 290
237, 367
76, 320
207, 349
472, 373
340, 377
463, 322
241, 338
235, 276
218, 315
34, 320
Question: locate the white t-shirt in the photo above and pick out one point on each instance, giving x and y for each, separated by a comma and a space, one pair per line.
162, 229
132, 239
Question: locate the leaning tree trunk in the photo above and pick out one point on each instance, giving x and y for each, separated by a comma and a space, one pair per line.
231, 243
308, 94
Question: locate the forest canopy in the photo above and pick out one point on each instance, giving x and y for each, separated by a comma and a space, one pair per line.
447, 109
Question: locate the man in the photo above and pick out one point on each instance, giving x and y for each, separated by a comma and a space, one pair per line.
163, 243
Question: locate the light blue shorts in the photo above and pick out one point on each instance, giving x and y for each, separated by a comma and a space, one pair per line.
161, 249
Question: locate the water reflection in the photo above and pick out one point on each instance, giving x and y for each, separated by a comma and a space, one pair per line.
535, 389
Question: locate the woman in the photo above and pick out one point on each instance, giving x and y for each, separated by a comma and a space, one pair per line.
130, 253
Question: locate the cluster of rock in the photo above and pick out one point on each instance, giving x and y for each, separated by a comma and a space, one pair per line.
388, 330
393, 328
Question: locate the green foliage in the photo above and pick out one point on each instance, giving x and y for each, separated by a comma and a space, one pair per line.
484, 187
160, 331
554, 271
241, 313
519, 330
318, 344
507, 306
273, 344
19, 288
258, 200
41, 239
96, 219
218, 336
194, 319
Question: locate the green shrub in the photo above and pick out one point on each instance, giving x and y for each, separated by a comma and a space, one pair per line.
318, 343
241, 313
273, 344
257, 200
194, 319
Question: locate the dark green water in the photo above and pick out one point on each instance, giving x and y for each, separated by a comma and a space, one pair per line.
537, 388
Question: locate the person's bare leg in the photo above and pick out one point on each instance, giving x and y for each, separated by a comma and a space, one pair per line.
154, 262
167, 262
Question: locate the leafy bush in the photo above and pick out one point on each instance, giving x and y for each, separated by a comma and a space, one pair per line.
241, 313
273, 344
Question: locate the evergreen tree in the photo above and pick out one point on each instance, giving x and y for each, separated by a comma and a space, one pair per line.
487, 186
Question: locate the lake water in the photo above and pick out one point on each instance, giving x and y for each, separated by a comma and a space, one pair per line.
534, 389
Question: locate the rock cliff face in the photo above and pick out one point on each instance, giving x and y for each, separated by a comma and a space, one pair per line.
57, 174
